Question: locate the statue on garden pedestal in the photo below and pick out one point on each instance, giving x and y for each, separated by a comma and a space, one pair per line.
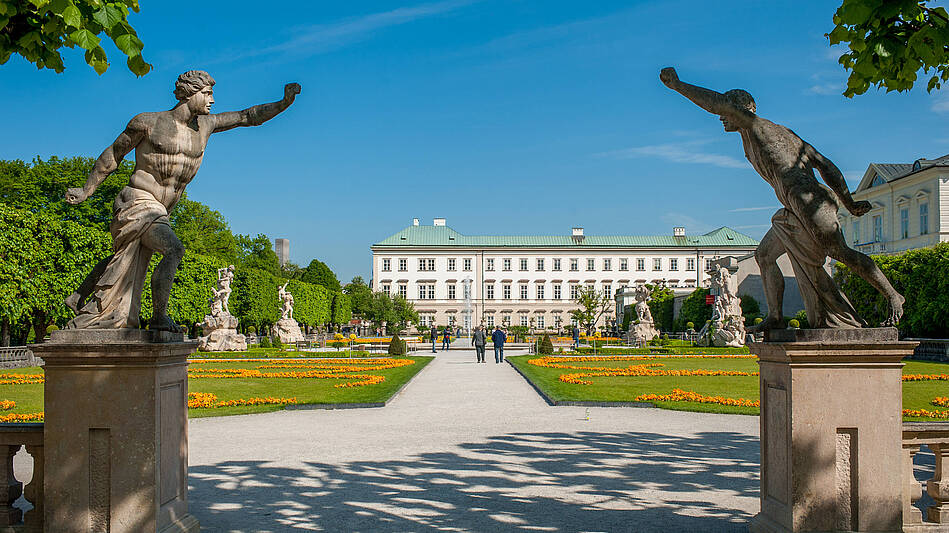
169, 146
642, 329
287, 329
220, 327
806, 229
727, 324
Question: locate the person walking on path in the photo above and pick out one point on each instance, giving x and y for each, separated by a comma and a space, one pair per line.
498, 338
479, 339
576, 338
446, 339
434, 337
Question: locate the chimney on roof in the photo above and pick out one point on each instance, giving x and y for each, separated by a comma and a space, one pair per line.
678, 231
415, 222
438, 222
578, 235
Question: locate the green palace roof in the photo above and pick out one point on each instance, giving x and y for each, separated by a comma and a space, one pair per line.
443, 236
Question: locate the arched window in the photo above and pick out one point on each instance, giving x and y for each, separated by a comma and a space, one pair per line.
877, 180
916, 165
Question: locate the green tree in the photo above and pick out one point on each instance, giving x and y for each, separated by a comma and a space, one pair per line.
593, 305
317, 272
38, 29
360, 296
750, 308
254, 300
311, 303
404, 312
341, 309
257, 253
890, 42
191, 292
40, 187
661, 304
694, 309
203, 230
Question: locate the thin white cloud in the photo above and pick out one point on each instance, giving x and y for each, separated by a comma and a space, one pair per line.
853, 177
940, 103
322, 38
827, 89
746, 209
693, 224
752, 226
686, 152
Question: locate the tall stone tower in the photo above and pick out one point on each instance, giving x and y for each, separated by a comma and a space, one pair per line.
282, 247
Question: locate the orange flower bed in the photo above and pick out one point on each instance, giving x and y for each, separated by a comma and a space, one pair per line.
206, 400
6, 405
925, 413
632, 370
28, 417
941, 401
21, 379
310, 369
679, 395
926, 377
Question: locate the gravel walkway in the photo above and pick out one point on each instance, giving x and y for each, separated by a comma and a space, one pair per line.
472, 447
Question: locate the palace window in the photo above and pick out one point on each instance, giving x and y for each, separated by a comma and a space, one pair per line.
540, 321
489, 321
557, 265
657, 263
426, 292
451, 291
489, 291
523, 264
591, 264
924, 219
386, 288
523, 292
403, 264
540, 265
856, 231
489, 265
878, 229
506, 265
574, 291
451, 264
426, 265
640, 264
624, 264
524, 321
505, 320
608, 290
403, 290
690, 264
506, 291
708, 265
467, 264
574, 265
904, 223
607, 264
540, 291
673, 264
387, 265
557, 291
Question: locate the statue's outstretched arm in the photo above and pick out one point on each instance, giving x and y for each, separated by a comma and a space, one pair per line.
709, 100
109, 160
258, 114
834, 179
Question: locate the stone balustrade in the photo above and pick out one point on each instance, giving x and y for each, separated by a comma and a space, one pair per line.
12, 519
935, 436
17, 357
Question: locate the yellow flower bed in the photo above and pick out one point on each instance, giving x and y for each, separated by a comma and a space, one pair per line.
577, 378
206, 400
679, 395
28, 417
308, 369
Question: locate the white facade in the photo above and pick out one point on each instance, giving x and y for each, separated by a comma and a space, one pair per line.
532, 280
910, 207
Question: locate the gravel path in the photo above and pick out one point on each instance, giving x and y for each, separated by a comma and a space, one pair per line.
472, 447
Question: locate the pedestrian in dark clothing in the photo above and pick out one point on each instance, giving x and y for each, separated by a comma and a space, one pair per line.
498, 338
576, 337
446, 339
479, 339
434, 337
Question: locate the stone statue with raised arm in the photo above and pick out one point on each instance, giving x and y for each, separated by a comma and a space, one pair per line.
169, 146
806, 229
287, 329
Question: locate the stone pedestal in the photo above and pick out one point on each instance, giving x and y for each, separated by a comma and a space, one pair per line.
831, 441
116, 431
288, 331
220, 334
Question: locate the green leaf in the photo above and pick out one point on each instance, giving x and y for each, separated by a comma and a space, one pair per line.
84, 38
108, 16
138, 65
72, 16
3, 21
129, 44
855, 12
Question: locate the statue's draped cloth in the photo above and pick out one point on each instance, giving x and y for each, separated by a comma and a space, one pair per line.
117, 298
826, 306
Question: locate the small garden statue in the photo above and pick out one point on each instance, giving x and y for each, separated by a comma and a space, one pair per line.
643, 329
169, 146
220, 327
806, 228
287, 329
727, 325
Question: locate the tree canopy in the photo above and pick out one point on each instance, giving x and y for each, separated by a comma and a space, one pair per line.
38, 29
360, 296
319, 273
891, 42
203, 230
593, 305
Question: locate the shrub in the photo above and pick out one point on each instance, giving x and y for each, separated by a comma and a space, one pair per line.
694, 309
750, 308
545, 346
801, 317
793, 323
690, 325
51, 328
251, 329
264, 341
758, 320
396, 345
275, 340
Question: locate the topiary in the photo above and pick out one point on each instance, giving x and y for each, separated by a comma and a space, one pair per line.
51, 328
396, 345
264, 341
758, 320
546, 346
690, 325
793, 323
251, 330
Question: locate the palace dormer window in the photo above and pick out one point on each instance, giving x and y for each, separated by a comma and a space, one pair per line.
877, 180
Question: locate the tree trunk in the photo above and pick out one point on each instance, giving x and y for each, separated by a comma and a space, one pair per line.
40, 323
5, 332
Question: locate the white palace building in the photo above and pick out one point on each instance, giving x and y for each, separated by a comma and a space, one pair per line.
530, 280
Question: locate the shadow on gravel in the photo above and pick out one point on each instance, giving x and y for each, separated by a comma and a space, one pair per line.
583, 481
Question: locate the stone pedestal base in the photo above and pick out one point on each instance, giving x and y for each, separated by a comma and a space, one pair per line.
116, 431
220, 334
643, 332
831, 441
288, 331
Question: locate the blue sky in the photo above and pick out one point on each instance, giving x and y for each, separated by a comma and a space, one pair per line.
505, 117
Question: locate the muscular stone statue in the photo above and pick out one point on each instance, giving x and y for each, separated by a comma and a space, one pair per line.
169, 146
806, 228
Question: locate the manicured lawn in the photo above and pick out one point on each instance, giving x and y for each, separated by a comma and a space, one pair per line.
306, 390
916, 394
